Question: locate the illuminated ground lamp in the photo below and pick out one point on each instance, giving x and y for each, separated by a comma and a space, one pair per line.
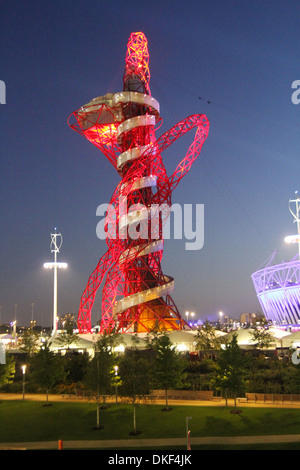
278, 287
23, 372
55, 245
116, 369
136, 294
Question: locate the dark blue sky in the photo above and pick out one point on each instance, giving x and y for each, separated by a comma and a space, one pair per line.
241, 56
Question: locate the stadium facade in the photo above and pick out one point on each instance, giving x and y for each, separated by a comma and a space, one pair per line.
278, 286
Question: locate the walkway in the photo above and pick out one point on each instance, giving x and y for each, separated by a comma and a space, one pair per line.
150, 443
214, 402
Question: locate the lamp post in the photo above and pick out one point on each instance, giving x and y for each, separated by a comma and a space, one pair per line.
116, 381
24, 372
56, 243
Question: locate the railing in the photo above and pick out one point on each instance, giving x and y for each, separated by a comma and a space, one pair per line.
273, 397
184, 394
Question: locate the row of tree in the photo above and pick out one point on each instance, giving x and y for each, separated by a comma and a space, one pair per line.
134, 374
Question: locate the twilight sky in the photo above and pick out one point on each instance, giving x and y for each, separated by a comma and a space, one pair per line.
234, 61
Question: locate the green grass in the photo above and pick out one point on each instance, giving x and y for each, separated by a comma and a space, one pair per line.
31, 421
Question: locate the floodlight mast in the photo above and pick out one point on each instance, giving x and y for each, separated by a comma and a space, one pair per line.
136, 295
55, 245
278, 286
296, 215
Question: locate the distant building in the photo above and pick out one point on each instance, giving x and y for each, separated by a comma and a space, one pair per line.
250, 318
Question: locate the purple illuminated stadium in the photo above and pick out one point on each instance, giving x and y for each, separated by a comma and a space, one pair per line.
278, 286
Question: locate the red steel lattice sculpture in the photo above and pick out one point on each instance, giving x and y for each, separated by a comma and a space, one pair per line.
136, 294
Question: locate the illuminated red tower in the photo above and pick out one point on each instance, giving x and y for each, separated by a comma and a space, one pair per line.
136, 293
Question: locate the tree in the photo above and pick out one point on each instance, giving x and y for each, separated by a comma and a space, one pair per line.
67, 337
206, 338
76, 366
7, 371
47, 369
134, 373
168, 365
98, 376
294, 376
261, 336
115, 380
30, 341
230, 370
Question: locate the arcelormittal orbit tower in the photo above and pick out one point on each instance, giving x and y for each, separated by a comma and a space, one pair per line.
136, 293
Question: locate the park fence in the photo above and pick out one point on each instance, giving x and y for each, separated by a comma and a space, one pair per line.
272, 397
184, 394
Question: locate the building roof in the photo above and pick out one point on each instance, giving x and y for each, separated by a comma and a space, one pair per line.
292, 340
244, 337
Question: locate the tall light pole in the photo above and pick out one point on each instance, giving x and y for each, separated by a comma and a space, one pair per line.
55, 245
31, 323
13, 324
296, 215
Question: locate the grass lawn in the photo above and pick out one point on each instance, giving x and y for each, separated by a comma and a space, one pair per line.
32, 421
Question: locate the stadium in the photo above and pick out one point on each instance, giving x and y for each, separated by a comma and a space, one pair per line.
278, 286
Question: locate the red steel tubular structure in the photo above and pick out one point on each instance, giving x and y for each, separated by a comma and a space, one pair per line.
136, 293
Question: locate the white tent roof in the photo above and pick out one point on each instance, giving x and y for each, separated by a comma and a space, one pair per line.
243, 337
6, 336
131, 340
292, 340
278, 333
182, 336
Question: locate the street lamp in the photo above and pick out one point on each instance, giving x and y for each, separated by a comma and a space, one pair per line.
23, 372
116, 368
56, 242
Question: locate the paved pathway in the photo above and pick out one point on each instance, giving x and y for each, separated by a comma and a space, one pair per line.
214, 402
150, 443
